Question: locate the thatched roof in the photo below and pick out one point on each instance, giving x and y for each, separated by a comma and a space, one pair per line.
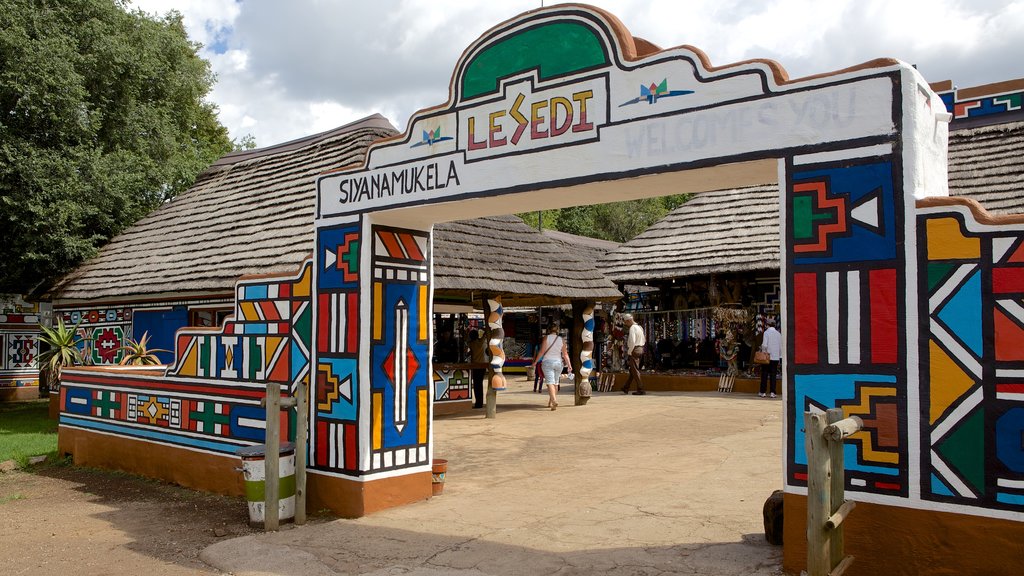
722, 231
738, 230
985, 164
502, 255
590, 249
251, 212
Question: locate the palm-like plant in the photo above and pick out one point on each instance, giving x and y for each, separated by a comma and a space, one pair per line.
138, 352
63, 350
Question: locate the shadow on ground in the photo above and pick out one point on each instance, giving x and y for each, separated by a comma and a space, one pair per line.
353, 547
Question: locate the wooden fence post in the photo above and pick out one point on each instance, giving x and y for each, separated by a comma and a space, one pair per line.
301, 440
819, 506
827, 507
272, 458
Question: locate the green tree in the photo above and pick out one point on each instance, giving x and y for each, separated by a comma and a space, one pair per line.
618, 221
102, 118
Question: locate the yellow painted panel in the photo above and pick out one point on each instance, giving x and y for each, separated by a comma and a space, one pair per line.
948, 382
422, 438
302, 285
249, 311
378, 310
424, 324
947, 242
190, 364
378, 402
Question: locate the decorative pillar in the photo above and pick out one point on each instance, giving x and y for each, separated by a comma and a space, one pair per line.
493, 311
371, 405
583, 341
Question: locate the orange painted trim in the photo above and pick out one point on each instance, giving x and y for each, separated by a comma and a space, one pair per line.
188, 468
993, 89
631, 49
293, 275
892, 540
352, 499
979, 213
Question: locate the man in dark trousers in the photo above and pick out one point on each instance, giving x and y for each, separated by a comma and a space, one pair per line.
478, 355
635, 342
772, 344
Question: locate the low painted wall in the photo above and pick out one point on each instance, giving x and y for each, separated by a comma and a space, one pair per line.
19, 350
171, 421
185, 422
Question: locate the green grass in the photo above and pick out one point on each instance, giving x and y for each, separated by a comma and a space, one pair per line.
25, 430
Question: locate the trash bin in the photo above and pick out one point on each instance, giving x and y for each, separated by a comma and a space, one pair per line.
254, 470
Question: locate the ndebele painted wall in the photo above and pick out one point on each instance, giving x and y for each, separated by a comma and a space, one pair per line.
560, 107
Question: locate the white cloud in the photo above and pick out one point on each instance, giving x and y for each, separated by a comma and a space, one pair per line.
291, 69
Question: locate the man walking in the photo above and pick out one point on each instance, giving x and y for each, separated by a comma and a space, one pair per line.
635, 342
772, 344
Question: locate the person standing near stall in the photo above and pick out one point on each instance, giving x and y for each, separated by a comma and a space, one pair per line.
478, 355
550, 359
772, 344
635, 342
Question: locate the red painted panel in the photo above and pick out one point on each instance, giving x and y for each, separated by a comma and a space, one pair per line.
1009, 338
1008, 280
805, 315
322, 444
352, 322
351, 451
323, 322
884, 314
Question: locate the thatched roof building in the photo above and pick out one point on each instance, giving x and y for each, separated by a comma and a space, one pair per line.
590, 249
721, 231
985, 164
502, 255
251, 212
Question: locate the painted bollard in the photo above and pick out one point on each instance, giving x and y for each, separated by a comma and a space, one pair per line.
254, 472
437, 474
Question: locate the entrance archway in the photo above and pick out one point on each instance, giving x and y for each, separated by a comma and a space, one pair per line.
562, 107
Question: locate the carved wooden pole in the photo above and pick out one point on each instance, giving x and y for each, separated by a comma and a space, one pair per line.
496, 337
583, 341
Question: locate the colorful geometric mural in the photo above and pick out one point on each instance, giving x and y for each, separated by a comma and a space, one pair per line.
452, 384
103, 331
845, 314
210, 399
212, 417
335, 395
18, 352
267, 339
972, 359
399, 349
999, 99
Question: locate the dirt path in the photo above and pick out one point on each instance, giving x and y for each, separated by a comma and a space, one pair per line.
663, 484
63, 520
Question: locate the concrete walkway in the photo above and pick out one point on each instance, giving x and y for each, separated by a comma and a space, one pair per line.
667, 483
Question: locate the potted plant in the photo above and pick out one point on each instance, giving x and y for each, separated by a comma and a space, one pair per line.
61, 348
138, 352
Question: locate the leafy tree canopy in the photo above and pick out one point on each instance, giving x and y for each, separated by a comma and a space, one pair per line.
618, 222
102, 119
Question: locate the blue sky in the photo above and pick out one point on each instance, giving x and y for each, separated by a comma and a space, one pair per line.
289, 69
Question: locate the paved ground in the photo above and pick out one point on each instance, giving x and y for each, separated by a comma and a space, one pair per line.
668, 483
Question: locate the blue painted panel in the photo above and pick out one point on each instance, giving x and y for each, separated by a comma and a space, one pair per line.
161, 325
